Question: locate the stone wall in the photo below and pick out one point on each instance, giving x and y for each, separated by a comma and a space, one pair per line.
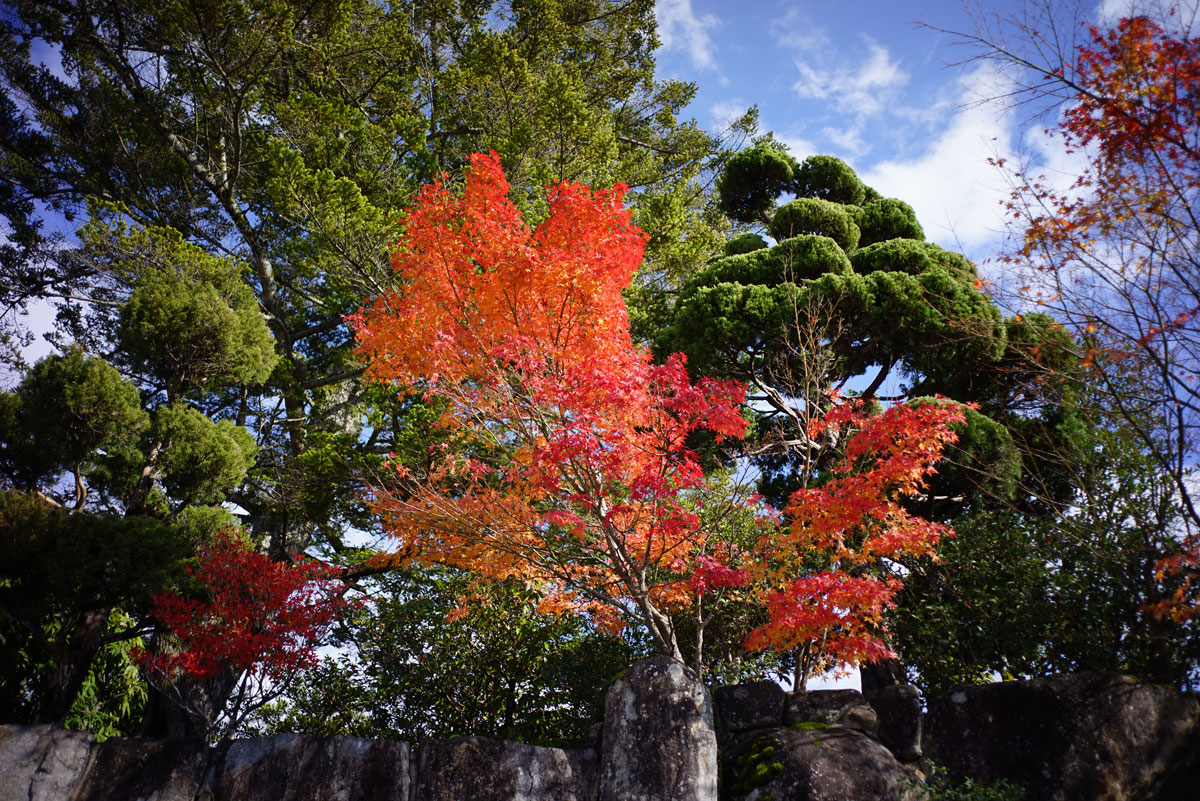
1088, 737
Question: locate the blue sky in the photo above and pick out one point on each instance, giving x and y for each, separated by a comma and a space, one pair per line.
864, 81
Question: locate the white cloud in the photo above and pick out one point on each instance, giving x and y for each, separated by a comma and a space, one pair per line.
798, 146
726, 111
848, 142
680, 28
955, 192
1181, 14
861, 88
795, 30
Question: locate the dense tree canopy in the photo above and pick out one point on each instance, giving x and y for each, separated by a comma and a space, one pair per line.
438, 667
268, 150
239, 169
575, 475
1046, 476
204, 192
851, 296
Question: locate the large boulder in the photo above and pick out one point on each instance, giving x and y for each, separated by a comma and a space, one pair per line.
42, 763
1077, 737
815, 762
1180, 781
659, 742
286, 767
899, 710
484, 769
292, 767
845, 708
754, 705
146, 769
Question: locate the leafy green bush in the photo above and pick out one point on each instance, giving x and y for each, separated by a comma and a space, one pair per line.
939, 787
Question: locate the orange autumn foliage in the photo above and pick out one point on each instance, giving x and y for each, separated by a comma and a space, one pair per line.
1116, 255
856, 523
566, 465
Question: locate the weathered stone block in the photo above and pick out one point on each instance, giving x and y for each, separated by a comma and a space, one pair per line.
42, 763
755, 705
835, 764
659, 742
291, 767
483, 769
899, 710
146, 770
860, 718
819, 706
1081, 737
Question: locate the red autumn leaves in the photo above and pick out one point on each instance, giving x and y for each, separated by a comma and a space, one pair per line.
254, 614
570, 468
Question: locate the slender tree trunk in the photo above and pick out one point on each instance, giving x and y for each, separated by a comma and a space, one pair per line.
75, 649
800, 671
141, 492
188, 708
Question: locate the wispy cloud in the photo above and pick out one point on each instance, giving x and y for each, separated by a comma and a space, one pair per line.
800, 147
681, 29
724, 113
861, 88
1177, 14
796, 31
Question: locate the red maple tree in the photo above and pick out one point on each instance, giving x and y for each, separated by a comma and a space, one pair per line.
857, 525
254, 615
566, 464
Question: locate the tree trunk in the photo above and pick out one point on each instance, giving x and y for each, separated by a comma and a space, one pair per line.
186, 707
74, 650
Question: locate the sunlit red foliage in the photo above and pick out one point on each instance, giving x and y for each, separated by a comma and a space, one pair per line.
566, 464
855, 522
1139, 98
256, 615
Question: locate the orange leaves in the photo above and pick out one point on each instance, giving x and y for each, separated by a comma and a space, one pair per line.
1134, 108
840, 611
582, 465
572, 473
886, 460
1178, 576
479, 285
1142, 93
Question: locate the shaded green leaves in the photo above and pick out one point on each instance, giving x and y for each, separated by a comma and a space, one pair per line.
752, 180
70, 406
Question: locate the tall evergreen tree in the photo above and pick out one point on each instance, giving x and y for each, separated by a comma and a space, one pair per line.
852, 298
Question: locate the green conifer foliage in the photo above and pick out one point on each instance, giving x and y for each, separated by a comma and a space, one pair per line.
851, 296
